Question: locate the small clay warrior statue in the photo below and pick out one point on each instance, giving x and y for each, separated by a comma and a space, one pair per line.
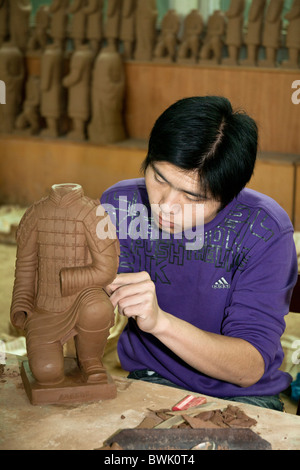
234, 34
19, 16
112, 26
52, 100
108, 88
12, 73
4, 30
39, 38
78, 83
293, 36
128, 25
165, 49
190, 44
62, 266
213, 43
78, 22
30, 118
59, 22
254, 33
272, 32
146, 17
94, 30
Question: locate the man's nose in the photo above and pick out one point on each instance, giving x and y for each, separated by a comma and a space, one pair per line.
169, 202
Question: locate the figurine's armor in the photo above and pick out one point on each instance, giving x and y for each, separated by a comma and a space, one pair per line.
62, 266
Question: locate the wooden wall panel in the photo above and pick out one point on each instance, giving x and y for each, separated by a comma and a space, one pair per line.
297, 200
265, 94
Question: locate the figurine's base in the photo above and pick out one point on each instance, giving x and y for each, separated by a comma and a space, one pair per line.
72, 390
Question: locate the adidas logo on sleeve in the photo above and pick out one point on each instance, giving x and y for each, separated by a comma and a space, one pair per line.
221, 284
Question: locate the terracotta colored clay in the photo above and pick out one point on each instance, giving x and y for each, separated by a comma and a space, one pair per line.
59, 21
166, 47
78, 22
146, 17
128, 26
12, 72
4, 30
108, 88
254, 33
272, 33
29, 119
62, 267
190, 44
19, 14
52, 98
39, 38
112, 26
213, 43
234, 34
293, 36
78, 83
94, 30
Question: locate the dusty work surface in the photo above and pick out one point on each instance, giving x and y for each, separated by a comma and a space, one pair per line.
88, 426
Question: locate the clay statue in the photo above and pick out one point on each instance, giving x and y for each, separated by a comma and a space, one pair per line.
166, 47
52, 99
4, 30
39, 38
62, 268
94, 30
146, 17
29, 120
128, 26
211, 51
293, 36
112, 26
254, 33
12, 73
190, 44
272, 33
108, 88
59, 22
78, 84
78, 22
19, 15
234, 34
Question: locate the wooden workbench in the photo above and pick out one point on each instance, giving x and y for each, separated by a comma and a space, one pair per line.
87, 426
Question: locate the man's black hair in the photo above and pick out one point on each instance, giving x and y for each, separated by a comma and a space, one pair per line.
204, 134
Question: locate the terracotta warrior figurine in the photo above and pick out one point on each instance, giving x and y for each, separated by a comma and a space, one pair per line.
78, 83
254, 33
19, 15
146, 16
52, 99
108, 88
272, 33
62, 266
128, 26
4, 29
39, 38
59, 22
190, 44
30, 119
12, 73
166, 47
78, 22
94, 30
213, 43
112, 26
293, 36
234, 34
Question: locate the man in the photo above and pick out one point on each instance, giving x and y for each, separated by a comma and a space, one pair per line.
206, 317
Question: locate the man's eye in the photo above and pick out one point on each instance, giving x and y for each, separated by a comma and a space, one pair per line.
158, 179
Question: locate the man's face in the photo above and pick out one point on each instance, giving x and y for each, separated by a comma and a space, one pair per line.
172, 193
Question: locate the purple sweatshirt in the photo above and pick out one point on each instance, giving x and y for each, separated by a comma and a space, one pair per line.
239, 284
